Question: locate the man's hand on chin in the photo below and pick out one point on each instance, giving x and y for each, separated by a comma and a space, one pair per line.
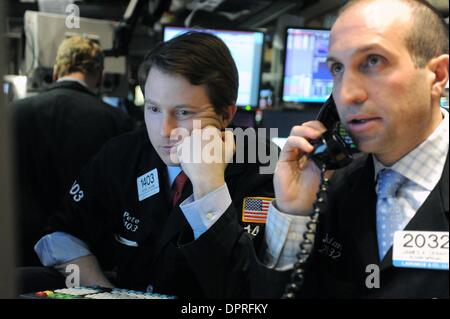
204, 156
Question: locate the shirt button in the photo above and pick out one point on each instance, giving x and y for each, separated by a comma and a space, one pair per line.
210, 216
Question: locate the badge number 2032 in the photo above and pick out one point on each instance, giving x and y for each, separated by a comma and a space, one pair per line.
421, 249
432, 240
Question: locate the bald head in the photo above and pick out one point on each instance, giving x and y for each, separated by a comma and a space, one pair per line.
376, 13
416, 22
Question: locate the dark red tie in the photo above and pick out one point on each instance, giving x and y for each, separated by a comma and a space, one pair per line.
179, 183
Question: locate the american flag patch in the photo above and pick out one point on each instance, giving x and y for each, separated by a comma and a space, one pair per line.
254, 209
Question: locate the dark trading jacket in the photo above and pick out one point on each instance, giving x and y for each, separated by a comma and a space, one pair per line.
103, 209
346, 243
56, 132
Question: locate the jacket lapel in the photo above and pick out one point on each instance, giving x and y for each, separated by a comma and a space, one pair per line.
431, 216
176, 222
361, 208
152, 210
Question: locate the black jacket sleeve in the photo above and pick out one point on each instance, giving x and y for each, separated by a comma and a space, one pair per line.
226, 258
227, 264
85, 211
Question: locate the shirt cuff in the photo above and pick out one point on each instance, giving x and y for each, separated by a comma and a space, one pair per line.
283, 234
59, 247
203, 213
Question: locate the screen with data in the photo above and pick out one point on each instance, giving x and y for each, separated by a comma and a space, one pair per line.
246, 47
306, 78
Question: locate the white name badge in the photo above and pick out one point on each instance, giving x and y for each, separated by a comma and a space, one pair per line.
421, 249
148, 184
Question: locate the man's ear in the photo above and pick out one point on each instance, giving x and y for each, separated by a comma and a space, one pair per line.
229, 115
439, 67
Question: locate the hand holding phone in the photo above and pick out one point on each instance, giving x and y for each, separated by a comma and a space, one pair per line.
331, 149
334, 149
297, 178
311, 146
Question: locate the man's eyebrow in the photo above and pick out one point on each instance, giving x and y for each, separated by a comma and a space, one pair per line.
182, 106
150, 101
179, 106
358, 51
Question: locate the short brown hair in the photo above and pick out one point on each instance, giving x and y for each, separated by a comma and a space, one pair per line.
79, 54
428, 36
203, 59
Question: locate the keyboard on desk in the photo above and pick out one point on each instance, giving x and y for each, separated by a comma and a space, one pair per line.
94, 293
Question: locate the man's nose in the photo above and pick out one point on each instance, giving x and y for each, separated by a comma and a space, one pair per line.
168, 125
351, 90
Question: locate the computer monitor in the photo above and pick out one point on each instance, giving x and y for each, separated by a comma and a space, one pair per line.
285, 120
114, 101
7, 88
44, 32
306, 78
246, 48
15, 86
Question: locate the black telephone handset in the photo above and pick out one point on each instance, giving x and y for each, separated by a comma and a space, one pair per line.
335, 147
333, 150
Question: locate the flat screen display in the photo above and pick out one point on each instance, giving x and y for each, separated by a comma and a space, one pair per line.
306, 77
246, 47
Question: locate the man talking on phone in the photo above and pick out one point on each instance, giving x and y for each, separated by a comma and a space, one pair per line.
382, 231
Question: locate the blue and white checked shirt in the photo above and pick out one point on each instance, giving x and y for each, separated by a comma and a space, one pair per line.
423, 167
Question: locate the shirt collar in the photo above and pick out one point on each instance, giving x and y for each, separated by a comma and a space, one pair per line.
70, 79
172, 173
434, 148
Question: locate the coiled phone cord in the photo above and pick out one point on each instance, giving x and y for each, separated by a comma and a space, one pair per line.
306, 245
